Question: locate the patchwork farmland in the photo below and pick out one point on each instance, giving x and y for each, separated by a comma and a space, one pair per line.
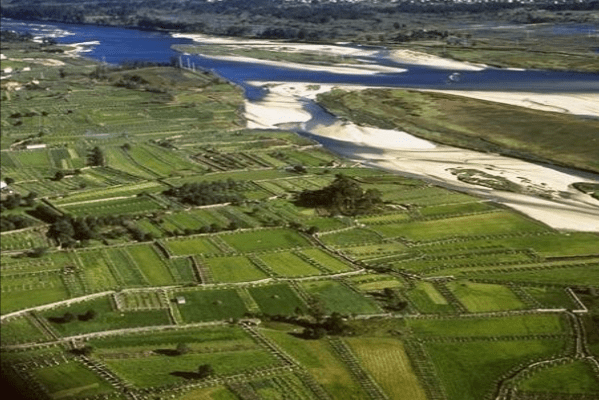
120, 280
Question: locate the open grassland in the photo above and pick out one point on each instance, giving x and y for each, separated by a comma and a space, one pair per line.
387, 361
576, 377
191, 246
277, 299
150, 264
71, 380
107, 317
209, 393
320, 360
455, 363
162, 370
268, 239
480, 297
210, 305
289, 264
337, 297
233, 269
34, 290
565, 276
329, 262
428, 299
19, 330
470, 123
517, 325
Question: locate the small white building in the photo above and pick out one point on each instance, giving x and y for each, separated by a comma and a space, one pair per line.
7, 70
3, 185
35, 146
180, 300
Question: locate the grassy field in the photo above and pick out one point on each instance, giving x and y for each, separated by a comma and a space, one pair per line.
289, 264
517, 325
339, 298
318, 357
265, 240
19, 330
427, 299
573, 378
480, 297
210, 305
389, 365
72, 380
233, 269
277, 300
455, 363
196, 245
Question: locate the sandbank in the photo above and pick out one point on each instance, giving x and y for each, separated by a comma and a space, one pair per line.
346, 69
429, 60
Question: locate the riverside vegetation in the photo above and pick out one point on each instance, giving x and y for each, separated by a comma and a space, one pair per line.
155, 248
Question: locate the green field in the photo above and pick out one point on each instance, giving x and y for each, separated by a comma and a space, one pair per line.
539, 324
389, 365
339, 298
455, 363
210, 305
71, 380
288, 264
427, 299
233, 269
277, 300
265, 240
481, 297
196, 245
577, 377
107, 318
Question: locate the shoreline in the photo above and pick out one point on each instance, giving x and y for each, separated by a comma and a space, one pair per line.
548, 195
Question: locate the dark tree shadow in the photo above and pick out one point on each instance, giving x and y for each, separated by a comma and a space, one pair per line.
186, 375
167, 352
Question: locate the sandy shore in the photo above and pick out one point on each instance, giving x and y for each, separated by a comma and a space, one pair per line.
429, 60
566, 208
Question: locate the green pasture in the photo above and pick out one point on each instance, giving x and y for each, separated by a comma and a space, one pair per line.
551, 297
374, 250
455, 209
132, 205
162, 370
355, 236
331, 263
33, 290
97, 271
456, 362
339, 298
515, 325
23, 240
320, 360
481, 297
386, 360
210, 305
428, 299
19, 330
107, 318
71, 380
288, 264
577, 377
564, 276
277, 299
152, 266
190, 246
209, 393
267, 239
233, 269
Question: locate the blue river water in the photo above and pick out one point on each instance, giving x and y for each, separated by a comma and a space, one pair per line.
117, 45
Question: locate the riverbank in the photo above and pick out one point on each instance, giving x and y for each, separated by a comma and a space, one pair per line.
546, 194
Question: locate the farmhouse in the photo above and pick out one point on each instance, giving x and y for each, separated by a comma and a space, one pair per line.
180, 300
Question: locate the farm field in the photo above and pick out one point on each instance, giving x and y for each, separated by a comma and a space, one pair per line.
156, 248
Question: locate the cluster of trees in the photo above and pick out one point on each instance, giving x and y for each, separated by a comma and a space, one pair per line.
70, 317
12, 222
96, 157
15, 200
10, 36
343, 195
206, 193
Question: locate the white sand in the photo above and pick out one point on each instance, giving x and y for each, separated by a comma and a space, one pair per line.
571, 103
568, 209
273, 45
429, 60
351, 69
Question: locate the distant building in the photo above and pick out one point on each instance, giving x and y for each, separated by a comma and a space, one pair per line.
180, 300
35, 146
3, 185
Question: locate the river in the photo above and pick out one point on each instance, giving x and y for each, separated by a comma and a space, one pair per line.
561, 206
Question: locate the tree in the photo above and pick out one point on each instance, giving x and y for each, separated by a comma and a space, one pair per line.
68, 317
9, 180
30, 198
88, 315
205, 370
58, 175
183, 348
